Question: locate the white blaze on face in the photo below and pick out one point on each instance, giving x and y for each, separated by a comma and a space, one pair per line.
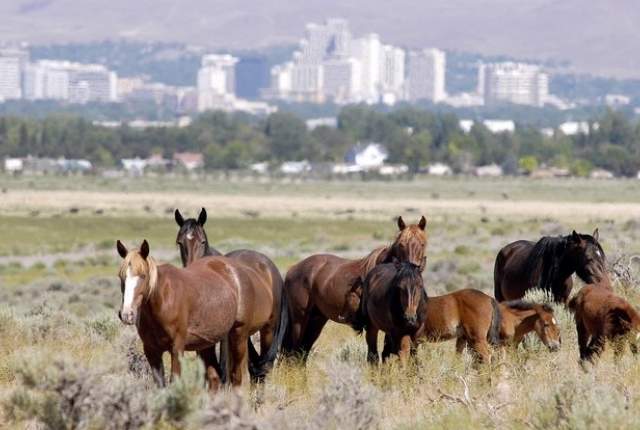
130, 285
190, 235
553, 320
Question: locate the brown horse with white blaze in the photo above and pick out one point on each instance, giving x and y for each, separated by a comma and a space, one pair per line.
263, 305
318, 286
520, 318
176, 309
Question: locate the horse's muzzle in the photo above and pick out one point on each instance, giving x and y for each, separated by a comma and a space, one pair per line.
554, 346
128, 317
411, 320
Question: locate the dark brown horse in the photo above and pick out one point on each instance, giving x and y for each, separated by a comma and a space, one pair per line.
548, 264
393, 301
603, 316
520, 318
178, 310
318, 286
262, 310
469, 316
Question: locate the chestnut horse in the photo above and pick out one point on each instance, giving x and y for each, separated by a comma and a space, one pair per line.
318, 285
177, 309
263, 307
469, 316
602, 316
520, 318
393, 301
548, 264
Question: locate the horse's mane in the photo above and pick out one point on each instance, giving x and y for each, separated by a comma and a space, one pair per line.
138, 265
407, 270
525, 305
544, 260
374, 258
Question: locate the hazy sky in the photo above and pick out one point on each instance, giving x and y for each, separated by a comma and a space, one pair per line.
594, 35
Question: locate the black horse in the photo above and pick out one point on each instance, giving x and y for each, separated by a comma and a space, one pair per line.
194, 244
548, 264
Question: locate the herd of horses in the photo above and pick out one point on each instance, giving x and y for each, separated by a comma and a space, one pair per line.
216, 302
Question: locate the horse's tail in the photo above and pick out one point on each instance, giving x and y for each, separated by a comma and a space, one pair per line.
224, 359
497, 277
493, 335
260, 364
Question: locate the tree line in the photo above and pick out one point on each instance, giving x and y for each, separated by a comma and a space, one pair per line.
413, 136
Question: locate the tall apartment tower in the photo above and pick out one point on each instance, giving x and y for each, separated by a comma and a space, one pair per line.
12, 63
426, 75
517, 83
216, 81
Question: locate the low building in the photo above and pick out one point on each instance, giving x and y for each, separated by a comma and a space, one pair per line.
13, 165
189, 160
491, 170
601, 174
295, 167
367, 156
439, 169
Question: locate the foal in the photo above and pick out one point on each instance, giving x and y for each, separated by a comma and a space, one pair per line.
469, 316
520, 317
602, 315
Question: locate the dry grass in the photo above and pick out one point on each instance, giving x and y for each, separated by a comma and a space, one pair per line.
67, 362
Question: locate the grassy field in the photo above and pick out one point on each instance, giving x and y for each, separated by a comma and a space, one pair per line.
67, 361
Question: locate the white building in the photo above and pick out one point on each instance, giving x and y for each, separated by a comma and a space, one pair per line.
10, 75
426, 75
392, 74
516, 83
216, 81
73, 82
368, 51
341, 80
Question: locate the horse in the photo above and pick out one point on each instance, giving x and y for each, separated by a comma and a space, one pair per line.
394, 301
548, 264
176, 309
469, 316
266, 298
520, 317
317, 287
601, 316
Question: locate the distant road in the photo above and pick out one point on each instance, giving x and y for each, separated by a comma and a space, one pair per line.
316, 205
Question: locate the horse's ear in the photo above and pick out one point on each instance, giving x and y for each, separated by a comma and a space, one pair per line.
401, 224
202, 218
122, 250
575, 237
596, 235
179, 218
144, 249
423, 223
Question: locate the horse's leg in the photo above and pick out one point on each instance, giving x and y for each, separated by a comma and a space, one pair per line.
404, 349
390, 347
583, 339
596, 346
238, 352
314, 327
461, 344
154, 357
212, 368
372, 345
177, 351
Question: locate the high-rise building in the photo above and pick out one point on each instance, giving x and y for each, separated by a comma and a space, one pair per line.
73, 82
216, 81
516, 83
392, 74
426, 75
12, 62
368, 51
341, 79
